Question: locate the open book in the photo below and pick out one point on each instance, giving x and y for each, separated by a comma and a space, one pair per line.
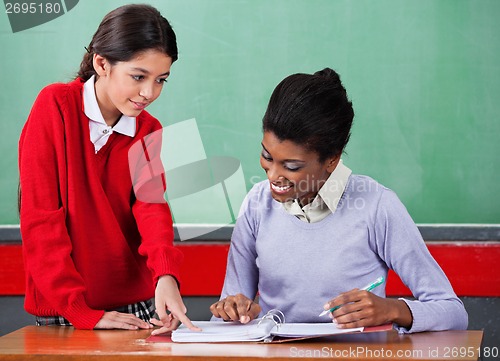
263, 329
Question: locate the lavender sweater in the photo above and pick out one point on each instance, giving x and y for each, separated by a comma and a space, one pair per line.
297, 267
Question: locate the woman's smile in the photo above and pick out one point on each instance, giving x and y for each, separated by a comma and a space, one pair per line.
280, 189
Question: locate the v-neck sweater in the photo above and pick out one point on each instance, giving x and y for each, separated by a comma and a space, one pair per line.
89, 243
297, 267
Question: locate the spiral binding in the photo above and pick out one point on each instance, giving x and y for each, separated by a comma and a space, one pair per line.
274, 315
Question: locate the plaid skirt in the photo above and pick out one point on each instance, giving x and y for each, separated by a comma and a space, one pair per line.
144, 310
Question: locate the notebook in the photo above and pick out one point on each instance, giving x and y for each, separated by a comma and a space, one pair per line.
264, 329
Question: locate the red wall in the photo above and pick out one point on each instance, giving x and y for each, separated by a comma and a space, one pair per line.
469, 266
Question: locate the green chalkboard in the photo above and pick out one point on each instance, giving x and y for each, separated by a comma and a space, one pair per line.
424, 78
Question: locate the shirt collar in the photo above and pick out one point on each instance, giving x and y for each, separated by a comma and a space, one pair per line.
334, 187
327, 199
125, 125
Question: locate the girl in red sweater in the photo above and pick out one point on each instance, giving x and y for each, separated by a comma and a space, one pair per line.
95, 253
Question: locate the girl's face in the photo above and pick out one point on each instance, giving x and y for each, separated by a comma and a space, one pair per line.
129, 87
294, 172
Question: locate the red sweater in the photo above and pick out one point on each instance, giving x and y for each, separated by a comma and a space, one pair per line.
89, 244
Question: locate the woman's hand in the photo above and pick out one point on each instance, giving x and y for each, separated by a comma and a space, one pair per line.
236, 308
120, 320
360, 308
167, 297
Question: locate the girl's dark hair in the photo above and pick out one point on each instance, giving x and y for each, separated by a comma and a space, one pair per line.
127, 31
312, 111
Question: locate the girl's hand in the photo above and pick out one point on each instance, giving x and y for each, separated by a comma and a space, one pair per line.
167, 297
236, 308
360, 308
124, 321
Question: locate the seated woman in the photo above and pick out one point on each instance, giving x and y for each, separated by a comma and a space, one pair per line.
313, 233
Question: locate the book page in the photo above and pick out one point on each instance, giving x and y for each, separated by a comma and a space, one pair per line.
311, 329
215, 331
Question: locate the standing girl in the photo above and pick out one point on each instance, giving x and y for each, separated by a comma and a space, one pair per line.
96, 254
315, 233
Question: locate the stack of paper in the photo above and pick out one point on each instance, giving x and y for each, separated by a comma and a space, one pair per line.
256, 330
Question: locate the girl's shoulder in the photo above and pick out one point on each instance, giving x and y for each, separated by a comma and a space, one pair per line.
147, 123
60, 90
60, 87
57, 100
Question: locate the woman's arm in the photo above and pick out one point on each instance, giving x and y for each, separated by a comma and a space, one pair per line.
398, 243
401, 246
242, 275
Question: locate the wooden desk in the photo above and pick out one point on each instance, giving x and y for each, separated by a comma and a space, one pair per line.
66, 343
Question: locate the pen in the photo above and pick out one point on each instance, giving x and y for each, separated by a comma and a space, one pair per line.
368, 288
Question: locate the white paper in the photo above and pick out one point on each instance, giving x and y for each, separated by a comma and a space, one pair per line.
311, 329
254, 331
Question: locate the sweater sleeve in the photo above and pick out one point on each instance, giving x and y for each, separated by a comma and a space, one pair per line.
242, 274
155, 225
436, 306
46, 242
151, 211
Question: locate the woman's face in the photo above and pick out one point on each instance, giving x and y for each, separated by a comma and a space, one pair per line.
129, 87
293, 171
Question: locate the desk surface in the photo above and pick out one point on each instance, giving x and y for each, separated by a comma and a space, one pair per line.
66, 343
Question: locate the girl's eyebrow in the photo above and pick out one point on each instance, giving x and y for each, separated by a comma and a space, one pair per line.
145, 71
286, 160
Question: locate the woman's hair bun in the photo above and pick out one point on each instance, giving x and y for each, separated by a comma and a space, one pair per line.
328, 74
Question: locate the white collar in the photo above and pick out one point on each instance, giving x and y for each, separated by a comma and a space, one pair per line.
327, 199
334, 187
125, 125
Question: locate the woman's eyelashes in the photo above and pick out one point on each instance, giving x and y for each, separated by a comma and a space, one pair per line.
288, 166
266, 156
291, 167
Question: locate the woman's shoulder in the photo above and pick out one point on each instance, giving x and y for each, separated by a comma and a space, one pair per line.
258, 204
257, 198
364, 183
367, 188
260, 190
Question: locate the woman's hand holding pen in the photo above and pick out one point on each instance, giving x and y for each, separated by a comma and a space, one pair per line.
236, 308
167, 297
361, 308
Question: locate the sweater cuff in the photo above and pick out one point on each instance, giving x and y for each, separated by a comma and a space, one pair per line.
82, 316
169, 265
417, 324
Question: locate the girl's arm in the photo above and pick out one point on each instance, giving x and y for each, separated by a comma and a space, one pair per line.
150, 209
155, 225
46, 243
